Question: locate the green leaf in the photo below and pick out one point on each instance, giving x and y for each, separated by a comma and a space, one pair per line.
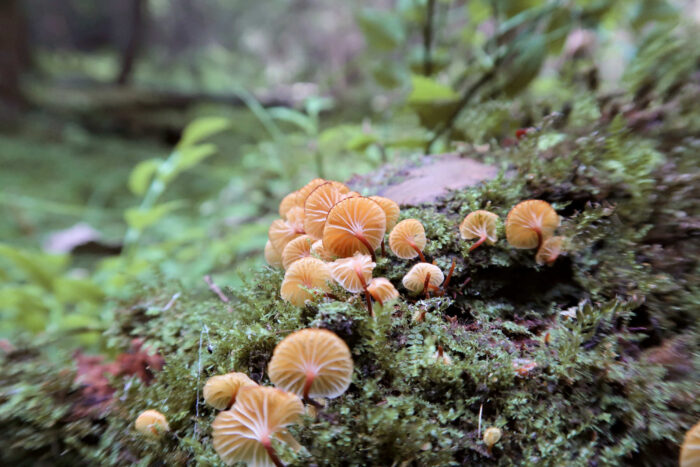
202, 128
190, 156
361, 141
77, 290
139, 219
142, 174
382, 29
303, 121
41, 268
427, 90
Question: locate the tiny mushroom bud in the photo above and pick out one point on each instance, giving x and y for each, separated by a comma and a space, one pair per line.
260, 414
272, 256
407, 239
297, 249
530, 223
382, 290
221, 390
479, 224
690, 450
416, 277
491, 436
391, 209
318, 203
354, 224
550, 250
307, 273
151, 423
312, 363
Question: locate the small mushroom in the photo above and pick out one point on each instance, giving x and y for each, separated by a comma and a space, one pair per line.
287, 203
283, 231
318, 203
318, 250
479, 224
220, 391
151, 423
407, 239
423, 274
382, 290
690, 449
530, 223
391, 209
353, 274
311, 363
260, 414
296, 249
354, 224
491, 436
307, 273
272, 256
306, 190
550, 250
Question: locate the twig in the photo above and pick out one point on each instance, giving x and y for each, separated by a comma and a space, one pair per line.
172, 301
481, 410
214, 288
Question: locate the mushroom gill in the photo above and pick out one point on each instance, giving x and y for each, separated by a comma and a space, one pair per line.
151, 423
382, 290
317, 205
423, 274
296, 249
220, 391
550, 250
479, 224
354, 224
530, 223
306, 273
272, 256
407, 239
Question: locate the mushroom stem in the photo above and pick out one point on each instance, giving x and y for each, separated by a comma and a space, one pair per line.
367, 245
307, 386
538, 231
383, 248
267, 444
368, 298
426, 287
420, 253
449, 276
312, 402
481, 240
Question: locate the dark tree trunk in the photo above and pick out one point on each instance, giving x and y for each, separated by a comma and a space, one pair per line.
138, 11
13, 52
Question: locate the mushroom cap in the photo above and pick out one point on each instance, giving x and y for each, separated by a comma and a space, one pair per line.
282, 232
526, 218
296, 249
221, 390
312, 353
304, 191
295, 217
479, 224
317, 205
382, 290
391, 209
352, 219
690, 449
272, 256
318, 250
353, 273
287, 203
550, 250
492, 435
259, 415
414, 280
151, 423
306, 273
407, 232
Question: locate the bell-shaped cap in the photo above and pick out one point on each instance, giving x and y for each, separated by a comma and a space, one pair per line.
354, 224
312, 363
307, 273
282, 232
296, 249
151, 423
317, 205
272, 256
259, 415
391, 209
492, 435
353, 273
221, 390
480, 224
318, 250
690, 449
550, 250
530, 222
414, 280
407, 239
382, 290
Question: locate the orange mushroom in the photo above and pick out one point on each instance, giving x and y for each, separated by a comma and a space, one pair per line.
479, 224
318, 250
530, 223
282, 232
287, 203
306, 273
296, 249
221, 390
306, 190
272, 256
423, 277
311, 363
353, 274
407, 239
391, 209
690, 450
151, 423
354, 224
260, 414
550, 250
382, 290
317, 205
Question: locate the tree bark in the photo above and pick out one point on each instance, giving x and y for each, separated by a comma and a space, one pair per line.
138, 11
